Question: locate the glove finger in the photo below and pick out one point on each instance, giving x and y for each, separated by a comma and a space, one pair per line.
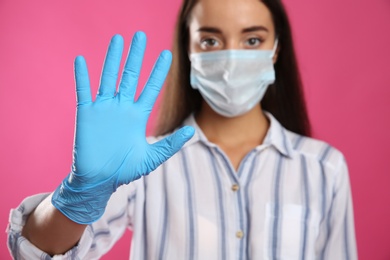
167, 147
156, 80
129, 81
83, 90
111, 65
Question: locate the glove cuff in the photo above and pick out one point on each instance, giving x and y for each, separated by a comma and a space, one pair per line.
83, 205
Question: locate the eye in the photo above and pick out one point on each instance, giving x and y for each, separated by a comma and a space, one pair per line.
253, 42
209, 43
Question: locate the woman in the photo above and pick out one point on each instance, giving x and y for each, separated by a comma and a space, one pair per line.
247, 185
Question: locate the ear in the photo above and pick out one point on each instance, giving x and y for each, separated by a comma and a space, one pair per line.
275, 58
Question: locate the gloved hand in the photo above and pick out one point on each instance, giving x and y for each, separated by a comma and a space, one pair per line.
110, 148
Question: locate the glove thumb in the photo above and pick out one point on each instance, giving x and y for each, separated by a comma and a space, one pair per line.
167, 147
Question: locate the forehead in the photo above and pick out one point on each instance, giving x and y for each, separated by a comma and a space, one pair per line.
231, 14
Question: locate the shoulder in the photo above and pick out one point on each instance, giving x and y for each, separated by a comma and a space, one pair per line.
299, 147
317, 150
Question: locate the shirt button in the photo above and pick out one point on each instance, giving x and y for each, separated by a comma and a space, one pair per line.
235, 187
239, 234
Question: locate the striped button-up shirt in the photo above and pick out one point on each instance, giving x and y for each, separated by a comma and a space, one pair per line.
289, 199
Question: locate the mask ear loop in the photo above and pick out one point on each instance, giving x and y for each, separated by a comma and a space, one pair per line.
275, 47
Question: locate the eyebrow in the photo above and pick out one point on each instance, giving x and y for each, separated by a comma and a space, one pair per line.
255, 28
209, 30
245, 30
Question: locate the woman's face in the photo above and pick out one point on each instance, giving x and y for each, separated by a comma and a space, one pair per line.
230, 24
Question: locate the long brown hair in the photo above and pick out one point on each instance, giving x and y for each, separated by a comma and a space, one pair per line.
284, 99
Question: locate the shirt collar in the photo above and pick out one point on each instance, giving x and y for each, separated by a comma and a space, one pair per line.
276, 136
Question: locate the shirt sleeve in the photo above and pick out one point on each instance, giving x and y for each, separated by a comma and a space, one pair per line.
341, 243
97, 239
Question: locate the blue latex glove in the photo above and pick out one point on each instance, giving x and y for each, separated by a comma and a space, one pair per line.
110, 148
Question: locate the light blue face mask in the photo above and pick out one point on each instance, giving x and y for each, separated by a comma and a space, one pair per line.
233, 81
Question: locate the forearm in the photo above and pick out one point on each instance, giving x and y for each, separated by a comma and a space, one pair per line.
49, 230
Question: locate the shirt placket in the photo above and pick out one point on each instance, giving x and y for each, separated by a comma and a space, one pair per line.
236, 186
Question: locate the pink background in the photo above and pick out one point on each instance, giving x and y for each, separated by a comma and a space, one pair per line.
343, 49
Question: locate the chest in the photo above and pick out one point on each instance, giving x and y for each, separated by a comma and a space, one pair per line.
214, 212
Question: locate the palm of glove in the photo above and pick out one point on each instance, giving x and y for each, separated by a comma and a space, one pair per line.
109, 135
